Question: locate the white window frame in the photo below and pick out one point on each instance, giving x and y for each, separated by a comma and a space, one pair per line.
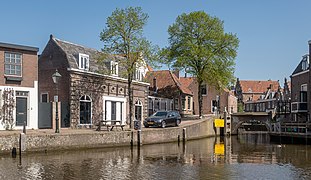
304, 87
114, 68
84, 61
47, 96
13, 63
206, 87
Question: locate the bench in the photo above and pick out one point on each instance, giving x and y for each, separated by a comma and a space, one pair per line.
110, 123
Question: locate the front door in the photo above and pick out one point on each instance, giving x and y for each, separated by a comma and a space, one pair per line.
138, 112
21, 111
113, 111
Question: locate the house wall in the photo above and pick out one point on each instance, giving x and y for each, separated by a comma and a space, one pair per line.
99, 89
296, 82
53, 58
29, 83
225, 100
29, 68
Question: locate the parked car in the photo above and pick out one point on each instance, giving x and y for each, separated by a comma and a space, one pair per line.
163, 119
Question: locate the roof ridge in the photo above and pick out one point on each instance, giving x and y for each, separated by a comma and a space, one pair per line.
71, 43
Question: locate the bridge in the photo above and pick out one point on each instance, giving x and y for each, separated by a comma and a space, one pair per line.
237, 119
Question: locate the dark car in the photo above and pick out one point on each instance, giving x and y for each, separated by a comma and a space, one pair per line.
163, 119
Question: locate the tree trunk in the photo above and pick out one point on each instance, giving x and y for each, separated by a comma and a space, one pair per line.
200, 98
130, 94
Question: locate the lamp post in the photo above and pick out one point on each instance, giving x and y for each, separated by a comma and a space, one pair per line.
56, 77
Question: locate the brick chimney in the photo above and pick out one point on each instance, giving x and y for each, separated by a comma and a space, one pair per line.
155, 87
309, 42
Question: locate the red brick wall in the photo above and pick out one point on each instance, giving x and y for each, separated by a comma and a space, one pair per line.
207, 99
53, 58
29, 68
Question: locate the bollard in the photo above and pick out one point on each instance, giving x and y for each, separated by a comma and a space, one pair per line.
22, 143
178, 139
184, 139
132, 138
24, 127
14, 152
138, 138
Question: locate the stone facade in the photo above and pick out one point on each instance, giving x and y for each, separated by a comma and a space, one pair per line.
104, 96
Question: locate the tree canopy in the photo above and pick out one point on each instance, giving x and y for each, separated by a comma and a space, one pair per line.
123, 35
198, 42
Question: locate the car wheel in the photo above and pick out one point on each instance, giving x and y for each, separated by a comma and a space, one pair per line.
163, 124
146, 126
177, 122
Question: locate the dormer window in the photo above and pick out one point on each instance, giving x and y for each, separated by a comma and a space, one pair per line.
305, 62
84, 61
114, 68
138, 76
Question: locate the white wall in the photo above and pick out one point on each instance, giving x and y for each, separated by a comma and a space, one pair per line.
32, 105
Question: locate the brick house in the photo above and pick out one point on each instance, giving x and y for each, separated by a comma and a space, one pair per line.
249, 90
167, 85
210, 95
300, 93
94, 90
18, 86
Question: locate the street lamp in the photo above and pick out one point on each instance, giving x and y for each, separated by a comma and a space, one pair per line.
56, 77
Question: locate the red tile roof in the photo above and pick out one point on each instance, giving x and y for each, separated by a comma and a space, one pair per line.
166, 78
258, 86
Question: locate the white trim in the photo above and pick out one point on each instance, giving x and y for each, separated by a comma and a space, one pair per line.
86, 62
47, 98
302, 72
107, 76
85, 101
117, 99
32, 106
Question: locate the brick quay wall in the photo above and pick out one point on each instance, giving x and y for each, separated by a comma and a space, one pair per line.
37, 140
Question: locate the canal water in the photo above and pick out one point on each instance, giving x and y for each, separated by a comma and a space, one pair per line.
238, 157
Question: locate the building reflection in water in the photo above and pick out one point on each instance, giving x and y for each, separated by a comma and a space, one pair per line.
220, 157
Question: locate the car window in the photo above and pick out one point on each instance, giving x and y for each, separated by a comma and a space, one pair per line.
160, 114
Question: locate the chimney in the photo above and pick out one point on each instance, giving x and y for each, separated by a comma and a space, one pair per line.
176, 72
309, 42
155, 88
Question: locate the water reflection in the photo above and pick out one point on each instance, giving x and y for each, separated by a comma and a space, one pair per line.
238, 157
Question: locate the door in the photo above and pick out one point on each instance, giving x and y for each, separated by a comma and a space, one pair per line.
21, 111
113, 111
138, 113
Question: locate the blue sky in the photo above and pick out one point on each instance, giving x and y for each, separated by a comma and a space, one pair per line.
273, 34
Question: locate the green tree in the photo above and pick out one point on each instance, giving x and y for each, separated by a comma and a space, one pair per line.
198, 43
123, 35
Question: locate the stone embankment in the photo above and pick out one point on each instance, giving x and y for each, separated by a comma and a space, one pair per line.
47, 140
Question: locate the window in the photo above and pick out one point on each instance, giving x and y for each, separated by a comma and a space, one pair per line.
204, 89
305, 63
189, 103
83, 61
138, 75
113, 68
13, 64
44, 97
176, 104
303, 93
183, 103
85, 110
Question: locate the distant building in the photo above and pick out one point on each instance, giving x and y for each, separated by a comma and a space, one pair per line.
18, 86
212, 99
167, 92
300, 95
